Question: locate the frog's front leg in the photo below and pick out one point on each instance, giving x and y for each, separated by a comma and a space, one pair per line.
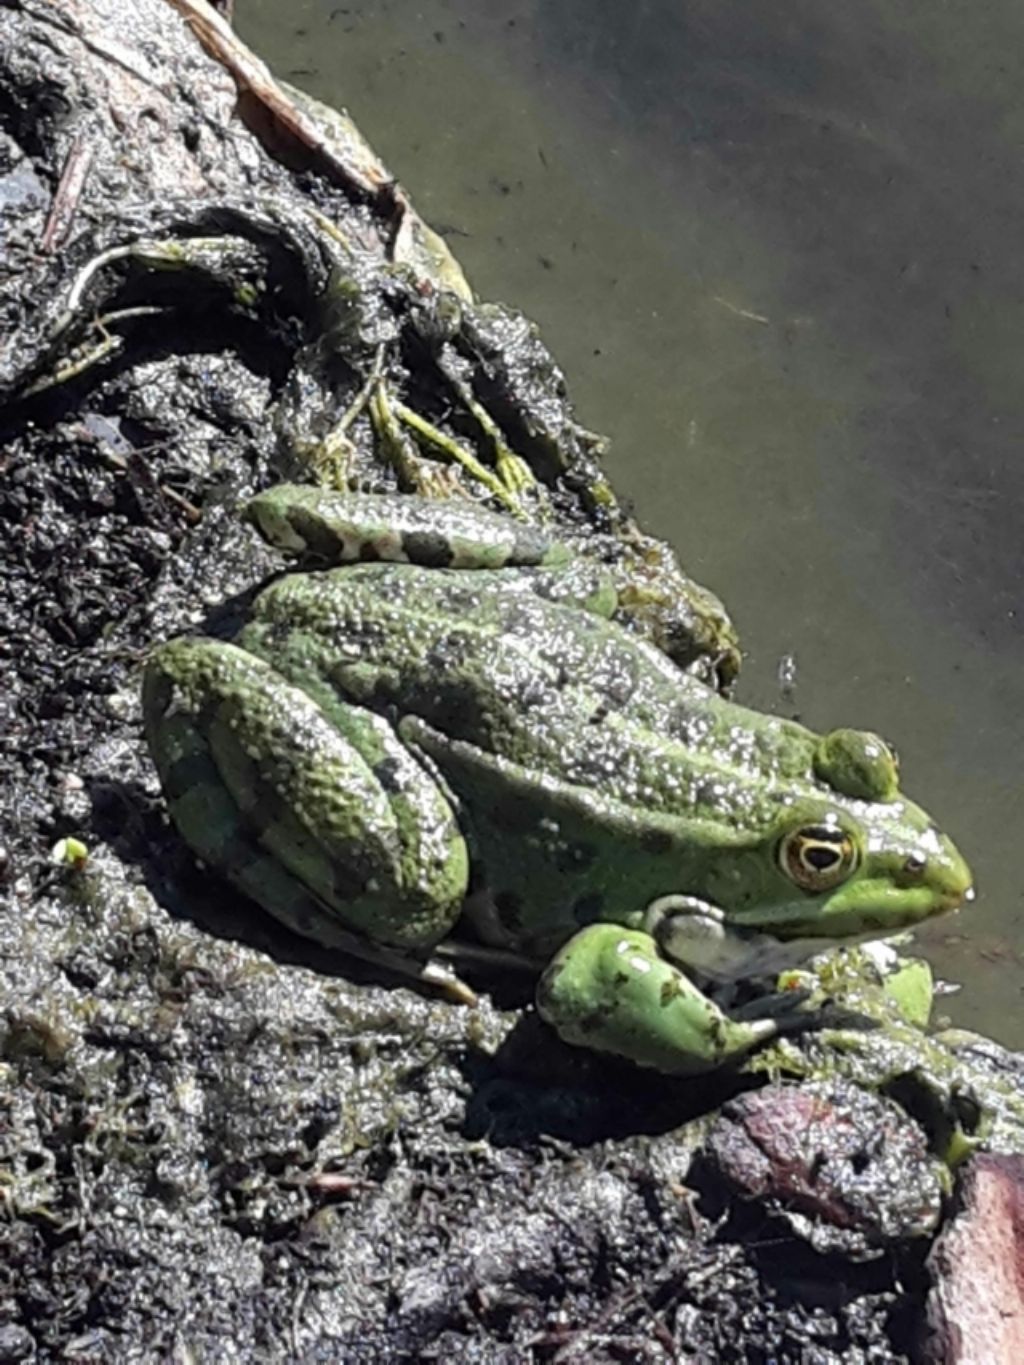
326, 821
609, 989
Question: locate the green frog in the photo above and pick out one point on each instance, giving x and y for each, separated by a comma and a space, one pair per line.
453, 724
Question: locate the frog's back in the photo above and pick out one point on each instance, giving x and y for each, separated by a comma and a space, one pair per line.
575, 749
484, 659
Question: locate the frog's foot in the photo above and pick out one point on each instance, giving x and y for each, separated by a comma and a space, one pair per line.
609, 989
514, 474
332, 457
803, 1011
394, 442
513, 471
437, 482
393, 422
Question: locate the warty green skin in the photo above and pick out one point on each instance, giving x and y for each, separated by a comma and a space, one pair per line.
387, 747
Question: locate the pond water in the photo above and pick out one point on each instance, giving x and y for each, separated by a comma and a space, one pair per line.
777, 250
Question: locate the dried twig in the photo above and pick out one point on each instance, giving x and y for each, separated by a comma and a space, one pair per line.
67, 195
366, 175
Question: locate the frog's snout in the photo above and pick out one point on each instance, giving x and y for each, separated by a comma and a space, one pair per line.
930, 878
949, 877
948, 902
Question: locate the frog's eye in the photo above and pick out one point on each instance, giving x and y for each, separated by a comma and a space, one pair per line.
817, 857
858, 764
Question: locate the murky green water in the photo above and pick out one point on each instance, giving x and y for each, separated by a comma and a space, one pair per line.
778, 250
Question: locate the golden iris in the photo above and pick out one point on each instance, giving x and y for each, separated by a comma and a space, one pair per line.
817, 857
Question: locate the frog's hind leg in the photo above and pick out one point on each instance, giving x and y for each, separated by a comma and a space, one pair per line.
609, 989
341, 836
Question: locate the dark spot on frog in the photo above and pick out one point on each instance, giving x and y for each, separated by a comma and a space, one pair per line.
574, 857
688, 727
457, 711
352, 684
320, 541
367, 635
427, 548
618, 692
587, 909
669, 990
520, 618
238, 852
531, 545
386, 772
454, 648
387, 587
656, 841
509, 908
599, 713
708, 793
273, 636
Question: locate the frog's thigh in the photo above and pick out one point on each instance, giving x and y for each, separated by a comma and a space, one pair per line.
608, 989
247, 758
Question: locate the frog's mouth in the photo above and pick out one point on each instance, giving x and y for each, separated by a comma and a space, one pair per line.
862, 910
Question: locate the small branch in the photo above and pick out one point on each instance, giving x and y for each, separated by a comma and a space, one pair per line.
67, 195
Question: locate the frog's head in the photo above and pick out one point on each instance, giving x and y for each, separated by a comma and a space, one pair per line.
842, 856
852, 869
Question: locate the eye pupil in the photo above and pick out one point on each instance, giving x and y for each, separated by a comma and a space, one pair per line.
821, 858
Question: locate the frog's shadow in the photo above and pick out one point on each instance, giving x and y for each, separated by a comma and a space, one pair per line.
187, 891
534, 1087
